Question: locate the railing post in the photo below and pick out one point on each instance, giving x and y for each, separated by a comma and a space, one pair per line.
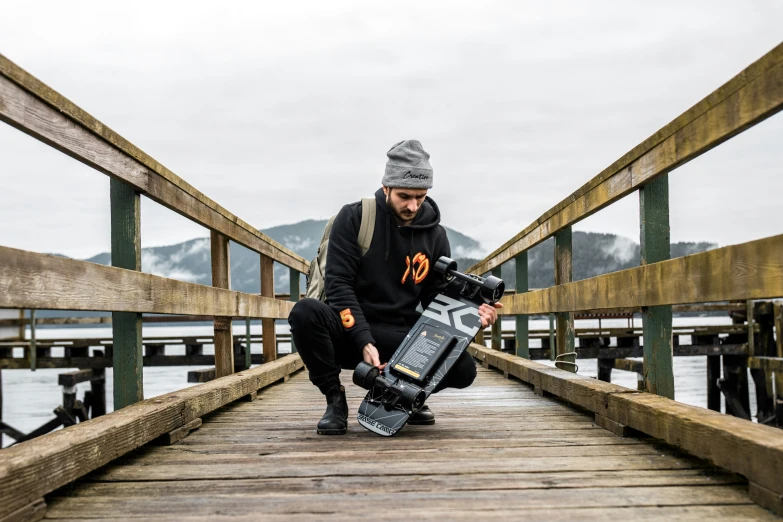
268, 325
248, 358
656, 320
221, 278
128, 362
522, 332
497, 328
552, 340
293, 280
33, 344
564, 274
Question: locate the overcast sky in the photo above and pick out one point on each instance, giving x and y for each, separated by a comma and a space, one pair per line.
284, 111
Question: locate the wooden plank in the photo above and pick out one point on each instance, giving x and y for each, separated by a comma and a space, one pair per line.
39, 466
628, 365
496, 334
752, 270
268, 325
74, 377
748, 98
203, 375
32, 512
563, 275
747, 448
768, 364
36, 109
32, 280
176, 435
766, 498
126, 326
221, 278
610, 425
521, 332
656, 320
713, 376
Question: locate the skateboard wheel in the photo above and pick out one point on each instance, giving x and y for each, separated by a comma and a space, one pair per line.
414, 396
492, 289
444, 264
364, 375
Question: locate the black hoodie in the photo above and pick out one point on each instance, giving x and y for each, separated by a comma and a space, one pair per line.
394, 276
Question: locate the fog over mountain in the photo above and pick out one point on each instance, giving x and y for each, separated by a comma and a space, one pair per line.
594, 254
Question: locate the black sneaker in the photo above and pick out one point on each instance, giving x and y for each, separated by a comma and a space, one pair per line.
335, 420
423, 417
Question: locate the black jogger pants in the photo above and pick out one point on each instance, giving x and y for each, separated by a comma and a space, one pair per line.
325, 349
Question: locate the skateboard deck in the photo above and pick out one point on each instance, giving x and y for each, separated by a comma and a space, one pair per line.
423, 359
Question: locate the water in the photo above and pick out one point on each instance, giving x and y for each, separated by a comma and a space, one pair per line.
29, 397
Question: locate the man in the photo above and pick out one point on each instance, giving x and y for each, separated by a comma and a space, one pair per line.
372, 300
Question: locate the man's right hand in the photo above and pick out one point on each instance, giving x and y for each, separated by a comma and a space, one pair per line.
371, 356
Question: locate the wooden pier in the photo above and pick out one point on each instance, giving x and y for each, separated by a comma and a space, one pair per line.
527, 441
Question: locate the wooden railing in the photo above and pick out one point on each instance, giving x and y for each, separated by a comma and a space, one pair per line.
38, 281
747, 271
743, 272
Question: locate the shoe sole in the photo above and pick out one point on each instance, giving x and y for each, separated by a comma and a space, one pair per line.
332, 432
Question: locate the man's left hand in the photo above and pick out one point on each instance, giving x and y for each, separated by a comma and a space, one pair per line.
488, 314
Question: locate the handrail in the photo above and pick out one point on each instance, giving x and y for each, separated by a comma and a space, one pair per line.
38, 110
750, 97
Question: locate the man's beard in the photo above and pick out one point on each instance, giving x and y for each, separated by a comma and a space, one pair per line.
406, 217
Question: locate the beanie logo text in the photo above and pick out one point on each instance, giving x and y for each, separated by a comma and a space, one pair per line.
411, 175
418, 268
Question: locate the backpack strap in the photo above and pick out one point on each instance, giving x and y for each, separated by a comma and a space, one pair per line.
367, 228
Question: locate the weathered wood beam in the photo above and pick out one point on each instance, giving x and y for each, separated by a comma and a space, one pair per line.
752, 270
521, 332
39, 466
32, 280
745, 100
268, 325
747, 448
126, 326
221, 278
768, 364
656, 320
37, 110
563, 275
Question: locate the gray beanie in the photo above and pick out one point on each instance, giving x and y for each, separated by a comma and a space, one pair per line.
408, 166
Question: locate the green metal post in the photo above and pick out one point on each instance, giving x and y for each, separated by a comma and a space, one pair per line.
248, 361
33, 347
563, 275
522, 331
497, 328
294, 290
126, 326
656, 320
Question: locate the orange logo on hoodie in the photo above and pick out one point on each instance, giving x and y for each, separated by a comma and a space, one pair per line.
418, 268
347, 318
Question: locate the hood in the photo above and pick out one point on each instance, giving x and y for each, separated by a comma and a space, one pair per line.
427, 217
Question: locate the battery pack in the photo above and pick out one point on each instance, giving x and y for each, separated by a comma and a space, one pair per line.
422, 352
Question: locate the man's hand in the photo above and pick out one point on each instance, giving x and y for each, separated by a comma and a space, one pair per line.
488, 314
371, 356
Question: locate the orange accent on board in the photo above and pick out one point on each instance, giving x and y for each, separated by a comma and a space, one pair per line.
347, 318
419, 272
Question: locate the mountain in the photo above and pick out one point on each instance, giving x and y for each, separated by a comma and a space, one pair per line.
594, 254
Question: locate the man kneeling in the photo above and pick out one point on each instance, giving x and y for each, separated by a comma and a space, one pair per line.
371, 298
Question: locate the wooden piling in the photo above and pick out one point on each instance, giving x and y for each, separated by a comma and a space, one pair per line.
221, 278
293, 281
522, 334
268, 325
564, 274
497, 341
126, 326
656, 320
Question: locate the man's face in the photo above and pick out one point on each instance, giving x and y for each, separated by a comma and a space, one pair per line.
404, 202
